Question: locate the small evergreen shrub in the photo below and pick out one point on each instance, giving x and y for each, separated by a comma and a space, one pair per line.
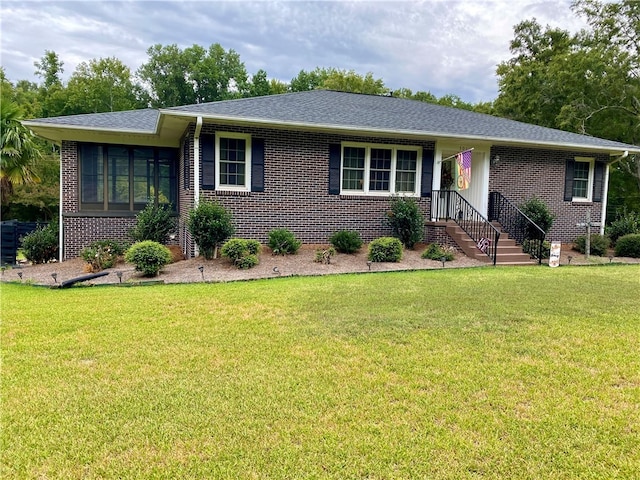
628, 246
599, 244
283, 242
153, 223
406, 220
324, 255
41, 245
346, 241
243, 253
385, 249
625, 223
531, 247
148, 256
539, 213
210, 224
102, 254
438, 252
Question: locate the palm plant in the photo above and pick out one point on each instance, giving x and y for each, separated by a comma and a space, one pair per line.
18, 150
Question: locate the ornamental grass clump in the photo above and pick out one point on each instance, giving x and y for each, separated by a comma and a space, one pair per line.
148, 257
243, 253
385, 249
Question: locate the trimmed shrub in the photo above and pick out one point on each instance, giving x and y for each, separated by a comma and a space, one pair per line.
210, 224
153, 223
406, 220
599, 244
283, 242
628, 246
149, 257
41, 245
539, 213
102, 254
385, 249
531, 247
625, 223
243, 253
346, 241
437, 252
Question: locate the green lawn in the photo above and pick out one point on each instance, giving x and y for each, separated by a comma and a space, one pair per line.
480, 373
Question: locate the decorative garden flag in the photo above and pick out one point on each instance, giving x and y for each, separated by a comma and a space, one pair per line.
464, 169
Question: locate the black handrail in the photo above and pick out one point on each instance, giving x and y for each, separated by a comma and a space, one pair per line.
450, 205
517, 224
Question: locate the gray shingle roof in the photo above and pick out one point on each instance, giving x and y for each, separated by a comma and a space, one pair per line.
345, 111
144, 121
372, 112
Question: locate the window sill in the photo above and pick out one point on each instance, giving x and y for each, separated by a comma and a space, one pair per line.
231, 193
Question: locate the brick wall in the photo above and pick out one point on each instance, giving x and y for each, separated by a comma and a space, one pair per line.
296, 180
543, 175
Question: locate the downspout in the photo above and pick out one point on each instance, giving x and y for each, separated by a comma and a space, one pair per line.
196, 171
605, 197
60, 223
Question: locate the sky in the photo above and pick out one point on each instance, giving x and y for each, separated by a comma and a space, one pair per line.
439, 46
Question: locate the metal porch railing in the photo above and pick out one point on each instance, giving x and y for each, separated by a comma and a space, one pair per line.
450, 205
519, 227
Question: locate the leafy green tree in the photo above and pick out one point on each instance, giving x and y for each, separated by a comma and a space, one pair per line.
350, 81
18, 150
101, 85
259, 84
52, 92
306, 81
31, 202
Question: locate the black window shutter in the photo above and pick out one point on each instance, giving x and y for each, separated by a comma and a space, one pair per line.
427, 173
207, 146
568, 181
335, 154
598, 181
186, 171
257, 164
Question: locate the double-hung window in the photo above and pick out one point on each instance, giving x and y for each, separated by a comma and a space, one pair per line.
233, 161
373, 169
125, 178
583, 179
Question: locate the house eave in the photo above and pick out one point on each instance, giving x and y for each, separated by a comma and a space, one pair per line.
397, 133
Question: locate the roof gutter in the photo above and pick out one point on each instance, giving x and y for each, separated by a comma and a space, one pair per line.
605, 197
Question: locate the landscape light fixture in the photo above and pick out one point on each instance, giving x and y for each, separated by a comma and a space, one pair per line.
20, 275
610, 258
570, 257
276, 271
119, 275
54, 275
201, 268
369, 264
443, 259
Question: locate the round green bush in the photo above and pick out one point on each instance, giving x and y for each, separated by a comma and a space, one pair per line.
539, 213
283, 242
385, 249
406, 220
102, 254
149, 257
41, 245
628, 246
436, 252
346, 241
599, 244
243, 253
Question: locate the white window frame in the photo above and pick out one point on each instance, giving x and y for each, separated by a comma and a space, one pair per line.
392, 176
591, 162
247, 178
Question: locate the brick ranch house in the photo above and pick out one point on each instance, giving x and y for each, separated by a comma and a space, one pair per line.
316, 162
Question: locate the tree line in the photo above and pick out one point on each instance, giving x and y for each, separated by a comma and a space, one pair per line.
588, 82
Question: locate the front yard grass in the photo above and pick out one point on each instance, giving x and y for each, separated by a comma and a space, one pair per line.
494, 373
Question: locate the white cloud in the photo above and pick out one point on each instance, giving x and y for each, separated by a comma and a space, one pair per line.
438, 46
